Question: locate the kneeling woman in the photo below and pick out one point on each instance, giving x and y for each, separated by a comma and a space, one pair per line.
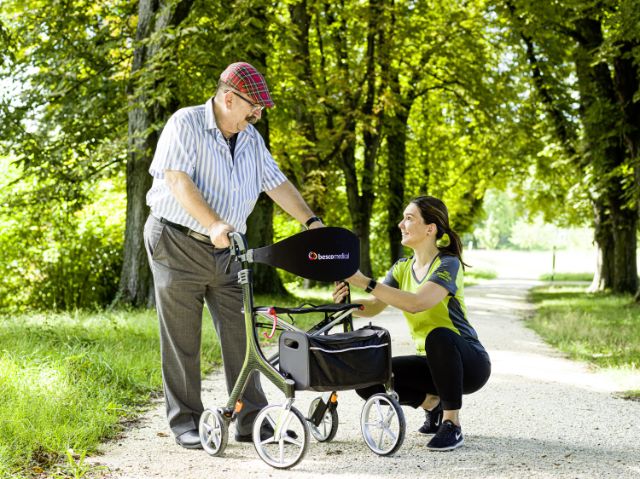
428, 288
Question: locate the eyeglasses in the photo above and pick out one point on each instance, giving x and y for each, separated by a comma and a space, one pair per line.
254, 107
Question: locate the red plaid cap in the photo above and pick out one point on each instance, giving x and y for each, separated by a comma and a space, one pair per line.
246, 79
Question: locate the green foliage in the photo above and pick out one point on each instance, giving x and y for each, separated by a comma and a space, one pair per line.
459, 107
458, 72
508, 225
576, 53
476, 273
64, 108
68, 68
55, 254
601, 329
541, 236
500, 215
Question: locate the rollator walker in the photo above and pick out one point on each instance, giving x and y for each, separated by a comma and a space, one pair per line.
308, 360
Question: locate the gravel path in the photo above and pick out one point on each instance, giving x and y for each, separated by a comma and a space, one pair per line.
540, 415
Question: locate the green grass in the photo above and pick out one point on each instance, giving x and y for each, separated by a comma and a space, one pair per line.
602, 329
473, 276
69, 381
567, 277
477, 273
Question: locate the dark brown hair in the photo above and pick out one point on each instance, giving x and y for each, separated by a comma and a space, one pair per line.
435, 211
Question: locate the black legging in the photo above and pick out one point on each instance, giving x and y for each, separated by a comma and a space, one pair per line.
453, 367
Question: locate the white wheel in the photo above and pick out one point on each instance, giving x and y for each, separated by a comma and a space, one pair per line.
280, 436
214, 432
383, 425
328, 427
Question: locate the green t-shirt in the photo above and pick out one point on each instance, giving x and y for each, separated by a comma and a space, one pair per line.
450, 313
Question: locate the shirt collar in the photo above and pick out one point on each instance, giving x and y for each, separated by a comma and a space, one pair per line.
210, 120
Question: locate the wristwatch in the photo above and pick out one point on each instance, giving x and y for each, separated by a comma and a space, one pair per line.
312, 220
371, 286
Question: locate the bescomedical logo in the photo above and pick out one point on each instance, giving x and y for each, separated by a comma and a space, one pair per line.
313, 256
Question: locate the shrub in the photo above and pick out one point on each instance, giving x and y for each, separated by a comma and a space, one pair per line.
60, 256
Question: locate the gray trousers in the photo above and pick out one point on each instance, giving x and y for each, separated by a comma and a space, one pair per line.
188, 273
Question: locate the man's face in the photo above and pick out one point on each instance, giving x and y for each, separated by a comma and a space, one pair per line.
248, 111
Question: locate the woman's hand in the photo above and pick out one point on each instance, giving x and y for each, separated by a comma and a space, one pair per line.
340, 291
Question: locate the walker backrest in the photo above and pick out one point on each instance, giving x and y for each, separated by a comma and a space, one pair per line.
320, 254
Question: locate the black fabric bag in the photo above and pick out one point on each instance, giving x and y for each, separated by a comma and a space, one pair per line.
338, 361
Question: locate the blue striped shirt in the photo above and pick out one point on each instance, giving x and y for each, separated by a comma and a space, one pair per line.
191, 142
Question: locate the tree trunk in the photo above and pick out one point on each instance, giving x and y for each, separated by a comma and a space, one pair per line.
260, 223
397, 144
312, 186
371, 135
395, 122
625, 222
564, 131
604, 242
396, 134
136, 284
260, 227
627, 84
360, 213
601, 116
260, 233
615, 216
360, 204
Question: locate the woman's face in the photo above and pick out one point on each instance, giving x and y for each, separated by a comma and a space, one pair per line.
413, 228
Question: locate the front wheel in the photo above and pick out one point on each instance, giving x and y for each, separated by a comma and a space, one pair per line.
214, 432
328, 427
280, 436
383, 424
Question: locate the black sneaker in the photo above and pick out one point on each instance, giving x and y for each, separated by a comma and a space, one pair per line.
448, 437
432, 420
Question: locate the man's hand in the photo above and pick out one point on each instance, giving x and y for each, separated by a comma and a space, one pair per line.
219, 234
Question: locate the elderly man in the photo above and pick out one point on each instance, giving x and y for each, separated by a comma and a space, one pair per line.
209, 168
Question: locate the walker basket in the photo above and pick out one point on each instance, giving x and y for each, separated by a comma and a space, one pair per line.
336, 362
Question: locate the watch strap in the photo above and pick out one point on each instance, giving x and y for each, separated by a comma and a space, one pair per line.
371, 286
312, 220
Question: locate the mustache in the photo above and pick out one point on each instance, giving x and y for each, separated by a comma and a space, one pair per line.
252, 119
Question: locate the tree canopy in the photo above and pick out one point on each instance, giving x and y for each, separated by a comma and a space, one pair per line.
377, 101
